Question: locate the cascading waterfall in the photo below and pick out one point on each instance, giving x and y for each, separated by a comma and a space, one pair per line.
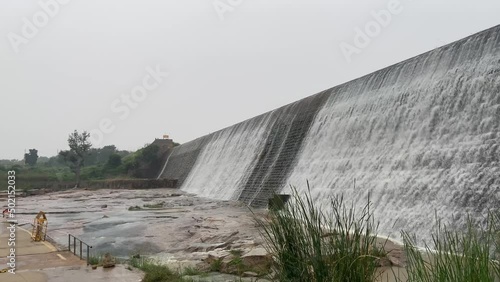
223, 164
419, 137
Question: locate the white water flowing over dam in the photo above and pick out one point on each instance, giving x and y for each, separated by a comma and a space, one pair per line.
420, 137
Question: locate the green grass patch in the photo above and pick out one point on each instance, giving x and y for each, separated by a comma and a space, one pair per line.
154, 206
216, 265
453, 256
156, 272
236, 253
191, 271
95, 259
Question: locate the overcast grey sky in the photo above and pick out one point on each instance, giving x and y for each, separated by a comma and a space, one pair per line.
100, 64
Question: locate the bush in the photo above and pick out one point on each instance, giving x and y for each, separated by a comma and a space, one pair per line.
150, 153
95, 259
114, 161
92, 172
145, 159
309, 245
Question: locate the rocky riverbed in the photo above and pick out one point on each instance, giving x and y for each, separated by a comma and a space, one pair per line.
171, 226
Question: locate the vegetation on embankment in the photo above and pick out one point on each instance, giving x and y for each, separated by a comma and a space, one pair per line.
156, 272
100, 164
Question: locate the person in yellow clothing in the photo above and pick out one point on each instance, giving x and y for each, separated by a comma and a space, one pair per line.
39, 227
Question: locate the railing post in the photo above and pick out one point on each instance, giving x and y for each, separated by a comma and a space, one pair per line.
88, 254
81, 255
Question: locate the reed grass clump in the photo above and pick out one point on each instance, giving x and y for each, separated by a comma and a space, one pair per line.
95, 259
454, 256
310, 245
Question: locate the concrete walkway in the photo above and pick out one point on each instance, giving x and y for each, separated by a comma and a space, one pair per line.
42, 262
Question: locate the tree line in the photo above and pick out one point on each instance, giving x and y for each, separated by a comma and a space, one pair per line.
85, 162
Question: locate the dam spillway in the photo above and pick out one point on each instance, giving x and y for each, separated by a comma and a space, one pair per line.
420, 137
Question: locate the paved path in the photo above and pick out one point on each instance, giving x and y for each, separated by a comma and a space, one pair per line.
41, 262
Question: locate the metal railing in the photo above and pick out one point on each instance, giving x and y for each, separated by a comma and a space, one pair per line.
80, 248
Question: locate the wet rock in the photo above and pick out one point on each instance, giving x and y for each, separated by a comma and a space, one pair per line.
255, 254
243, 244
220, 237
214, 261
382, 262
396, 255
396, 262
258, 259
205, 247
250, 274
197, 219
231, 265
226, 227
206, 227
108, 261
216, 255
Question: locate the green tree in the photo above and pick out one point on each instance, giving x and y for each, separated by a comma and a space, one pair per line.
100, 155
31, 157
79, 146
150, 153
114, 161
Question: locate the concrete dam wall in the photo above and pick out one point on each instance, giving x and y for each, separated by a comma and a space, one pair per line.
419, 137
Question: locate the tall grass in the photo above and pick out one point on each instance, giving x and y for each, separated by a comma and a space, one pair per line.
156, 272
471, 255
95, 259
309, 245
